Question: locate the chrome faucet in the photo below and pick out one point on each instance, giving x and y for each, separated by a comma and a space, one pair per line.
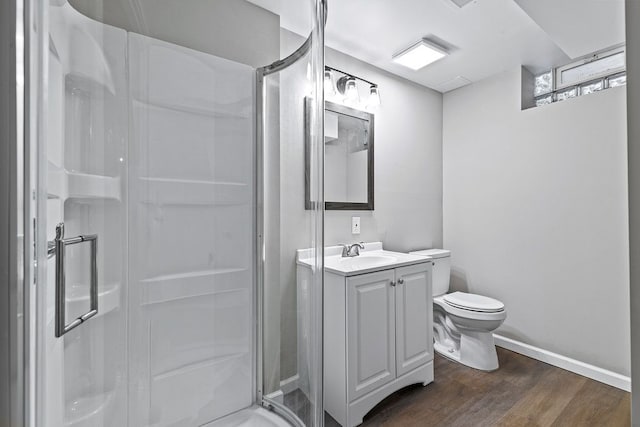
351, 250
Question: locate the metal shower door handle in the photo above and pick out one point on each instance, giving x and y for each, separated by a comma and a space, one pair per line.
57, 247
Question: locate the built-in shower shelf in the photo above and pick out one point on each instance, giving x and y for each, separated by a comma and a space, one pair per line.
166, 191
172, 287
73, 185
82, 186
78, 298
56, 183
89, 410
209, 110
203, 365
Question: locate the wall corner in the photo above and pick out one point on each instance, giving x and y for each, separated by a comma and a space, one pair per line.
527, 99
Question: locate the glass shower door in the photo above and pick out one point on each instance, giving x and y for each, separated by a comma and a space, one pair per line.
149, 247
82, 378
148, 169
291, 325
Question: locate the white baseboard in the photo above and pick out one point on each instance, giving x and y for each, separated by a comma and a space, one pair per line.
586, 370
289, 384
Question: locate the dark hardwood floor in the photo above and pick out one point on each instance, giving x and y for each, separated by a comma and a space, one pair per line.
523, 392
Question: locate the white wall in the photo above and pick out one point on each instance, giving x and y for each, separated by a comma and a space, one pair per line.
535, 213
408, 178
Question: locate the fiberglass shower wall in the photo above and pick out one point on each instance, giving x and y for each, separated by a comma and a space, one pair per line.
191, 234
150, 146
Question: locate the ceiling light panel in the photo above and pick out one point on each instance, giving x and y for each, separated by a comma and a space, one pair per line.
419, 55
461, 3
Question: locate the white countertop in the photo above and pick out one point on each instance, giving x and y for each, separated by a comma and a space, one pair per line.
372, 258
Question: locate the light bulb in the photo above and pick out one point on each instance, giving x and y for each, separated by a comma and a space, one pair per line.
329, 88
351, 92
374, 97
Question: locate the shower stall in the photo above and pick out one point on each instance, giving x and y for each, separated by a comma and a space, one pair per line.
153, 287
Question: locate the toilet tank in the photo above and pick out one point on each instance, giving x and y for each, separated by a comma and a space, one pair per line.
441, 269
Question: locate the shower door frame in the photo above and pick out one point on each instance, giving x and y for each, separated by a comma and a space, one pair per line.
21, 62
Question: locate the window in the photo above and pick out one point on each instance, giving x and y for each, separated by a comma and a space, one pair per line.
566, 94
598, 72
588, 88
597, 66
544, 100
544, 84
618, 80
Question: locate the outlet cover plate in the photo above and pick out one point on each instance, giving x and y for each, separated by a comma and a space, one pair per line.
355, 225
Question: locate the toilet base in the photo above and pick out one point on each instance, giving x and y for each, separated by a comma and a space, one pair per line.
446, 351
476, 350
466, 336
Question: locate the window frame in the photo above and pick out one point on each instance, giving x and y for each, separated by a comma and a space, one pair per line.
557, 72
605, 77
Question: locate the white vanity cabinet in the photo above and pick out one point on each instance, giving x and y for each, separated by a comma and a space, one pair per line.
377, 337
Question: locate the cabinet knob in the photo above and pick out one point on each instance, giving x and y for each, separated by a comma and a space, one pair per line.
392, 283
400, 281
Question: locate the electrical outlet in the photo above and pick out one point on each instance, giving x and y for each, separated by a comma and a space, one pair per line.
355, 225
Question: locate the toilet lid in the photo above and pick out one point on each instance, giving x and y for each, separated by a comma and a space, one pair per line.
473, 302
433, 253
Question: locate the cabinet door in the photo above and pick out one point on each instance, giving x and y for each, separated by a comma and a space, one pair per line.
414, 317
371, 320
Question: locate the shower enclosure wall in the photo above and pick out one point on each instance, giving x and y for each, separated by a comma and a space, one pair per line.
161, 154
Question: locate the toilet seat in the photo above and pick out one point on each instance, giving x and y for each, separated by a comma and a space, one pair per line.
468, 313
473, 302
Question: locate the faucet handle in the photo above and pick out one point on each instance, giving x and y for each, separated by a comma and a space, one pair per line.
345, 249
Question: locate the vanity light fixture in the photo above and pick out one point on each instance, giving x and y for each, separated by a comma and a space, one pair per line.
419, 55
345, 89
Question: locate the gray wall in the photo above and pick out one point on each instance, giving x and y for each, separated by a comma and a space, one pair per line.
408, 165
535, 213
408, 179
11, 332
633, 110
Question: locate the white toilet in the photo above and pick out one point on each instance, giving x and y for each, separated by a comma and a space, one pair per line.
463, 323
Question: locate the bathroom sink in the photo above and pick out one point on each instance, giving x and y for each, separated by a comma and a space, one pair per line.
372, 258
365, 261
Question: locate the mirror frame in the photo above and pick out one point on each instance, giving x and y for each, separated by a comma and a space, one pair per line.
347, 111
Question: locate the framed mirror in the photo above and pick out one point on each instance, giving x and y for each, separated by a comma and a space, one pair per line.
348, 158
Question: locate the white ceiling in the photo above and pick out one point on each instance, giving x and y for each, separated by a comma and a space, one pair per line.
579, 27
484, 38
